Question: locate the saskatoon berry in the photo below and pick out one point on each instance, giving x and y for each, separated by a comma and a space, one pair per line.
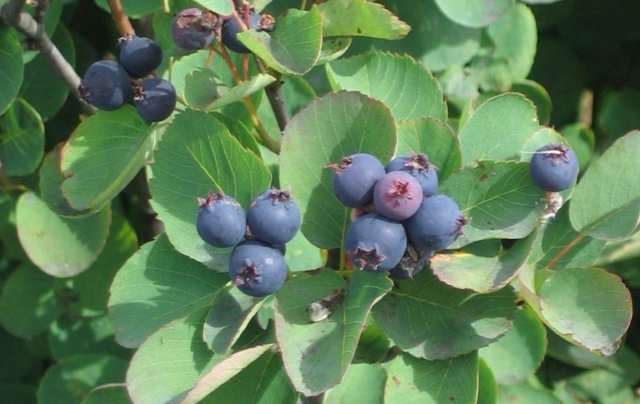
355, 177
397, 195
375, 243
412, 263
221, 220
231, 28
257, 268
139, 56
194, 28
106, 85
155, 99
419, 166
554, 167
437, 223
274, 217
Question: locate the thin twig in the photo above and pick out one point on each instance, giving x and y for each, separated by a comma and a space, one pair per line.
274, 94
120, 18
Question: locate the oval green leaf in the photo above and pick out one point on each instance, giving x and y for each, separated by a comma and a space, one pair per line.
60, 247
69, 337
242, 90
51, 179
475, 13
606, 201
352, 390
360, 18
402, 84
588, 306
222, 7
111, 393
329, 128
12, 67
21, 139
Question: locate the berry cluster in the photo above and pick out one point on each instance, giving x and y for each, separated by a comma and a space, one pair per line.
401, 220
554, 167
108, 85
195, 28
257, 266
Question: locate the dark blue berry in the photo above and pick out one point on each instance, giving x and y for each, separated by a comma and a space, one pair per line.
397, 195
355, 177
412, 263
257, 268
419, 166
231, 28
437, 223
106, 85
554, 167
155, 99
221, 221
274, 217
375, 243
139, 56
194, 28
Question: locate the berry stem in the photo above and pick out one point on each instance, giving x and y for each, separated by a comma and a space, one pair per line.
120, 18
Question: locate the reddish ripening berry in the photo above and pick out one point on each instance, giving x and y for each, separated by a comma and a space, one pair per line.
397, 195
420, 167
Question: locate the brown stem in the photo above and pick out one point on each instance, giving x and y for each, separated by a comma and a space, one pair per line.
274, 94
120, 18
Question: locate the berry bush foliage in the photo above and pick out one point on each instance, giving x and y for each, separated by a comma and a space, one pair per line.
319, 201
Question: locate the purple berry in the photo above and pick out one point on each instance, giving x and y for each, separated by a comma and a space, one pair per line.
194, 28
256, 268
419, 166
397, 195
554, 167
231, 28
375, 243
221, 220
274, 217
412, 263
155, 99
106, 85
437, 223
355, 177
139, 56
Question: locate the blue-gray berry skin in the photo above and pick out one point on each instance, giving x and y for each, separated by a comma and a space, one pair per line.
437, 223
397, 195
375, 243
257, 268
106, 85
420, 167
155, 99
194, 28
274, 217
412, 263
355, 177
554, 167
231, 28
139, 56
221, 221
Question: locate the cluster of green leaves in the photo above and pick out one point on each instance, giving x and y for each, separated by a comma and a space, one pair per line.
520, 309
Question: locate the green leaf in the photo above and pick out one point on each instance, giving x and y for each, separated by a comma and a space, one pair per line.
498, 128
230, 313
514, 36
170, 362
103, 155
475, 13
242, 90
227, 369
294, 45
28, 302
261, 382
12, 68
317, 354
538, 95
431, 320
360, 18
434, 138
69, 380
582, 140
481, 273
617, 113
60, 247
488, 388
333, 48
301, 255
19, 392
222, 7
197, 156
201, 88
606, 202
363, 384
68, 337
517, 355
17, 356
134, 8
155, 286
40, 77
51, 179
499, 198
525, 394
559, 246
329, 128
113, 393
414, 380
401, 83
21, 139
588, 306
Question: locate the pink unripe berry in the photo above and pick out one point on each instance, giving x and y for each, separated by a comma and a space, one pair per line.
397, 195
